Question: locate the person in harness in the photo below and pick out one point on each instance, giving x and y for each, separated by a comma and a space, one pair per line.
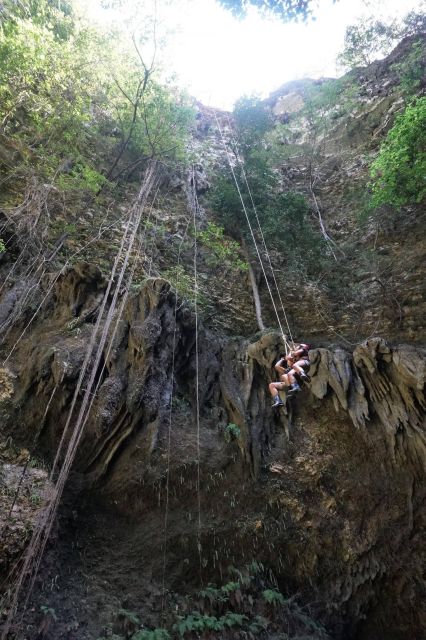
293, 371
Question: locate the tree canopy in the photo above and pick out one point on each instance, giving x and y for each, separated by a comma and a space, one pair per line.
82, 106
370, 38
284, 9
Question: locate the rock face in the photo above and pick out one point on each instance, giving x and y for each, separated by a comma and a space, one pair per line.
330, 497
184, 468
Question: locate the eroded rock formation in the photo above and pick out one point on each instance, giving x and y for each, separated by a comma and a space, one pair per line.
330, 497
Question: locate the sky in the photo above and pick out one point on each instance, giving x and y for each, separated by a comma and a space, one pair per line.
218, 58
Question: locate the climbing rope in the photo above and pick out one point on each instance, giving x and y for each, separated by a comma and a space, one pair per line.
195, 208
169, 434
240, 162
287, 346
44, 524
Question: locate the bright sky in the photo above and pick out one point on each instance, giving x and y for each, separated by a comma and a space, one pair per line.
218, 58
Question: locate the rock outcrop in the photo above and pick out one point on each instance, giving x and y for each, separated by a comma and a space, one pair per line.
313, 494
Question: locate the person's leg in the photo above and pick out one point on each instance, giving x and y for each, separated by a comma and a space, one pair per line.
274, 389
294, 386
299, 367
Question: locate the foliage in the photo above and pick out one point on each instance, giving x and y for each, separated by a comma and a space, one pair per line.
2, 246
283, 216
81, 177
399, 170
411, 69
231, 432
369, 38
253, 119
284, 9
184, 285
155, 634
129, 615
272, 596
196, 622
365, 40
225, 249
48, 611
74, 97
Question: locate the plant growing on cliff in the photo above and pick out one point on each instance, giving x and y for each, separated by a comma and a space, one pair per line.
369, 38
72, 97
399, 171
411, 70
272, 596
198, 623
278, 218
231, 432
225, 250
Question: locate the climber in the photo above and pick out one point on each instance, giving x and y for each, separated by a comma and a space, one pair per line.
282, 367
293, 370
300, 366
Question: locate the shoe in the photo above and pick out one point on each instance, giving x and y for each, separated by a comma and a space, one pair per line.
278, 403
293, 389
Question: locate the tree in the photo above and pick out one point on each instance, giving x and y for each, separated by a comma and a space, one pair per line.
284, 9
67, 90
366, 40
369, 38
399, 170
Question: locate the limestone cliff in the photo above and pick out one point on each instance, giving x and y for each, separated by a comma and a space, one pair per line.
184, 469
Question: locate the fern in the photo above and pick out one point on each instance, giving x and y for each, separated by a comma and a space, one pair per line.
231, 619
129, 615
212, 593
272, 596
229, 587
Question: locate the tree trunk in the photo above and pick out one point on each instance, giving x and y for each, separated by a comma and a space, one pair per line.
254, 287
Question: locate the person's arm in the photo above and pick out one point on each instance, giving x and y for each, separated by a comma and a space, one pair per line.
279, 366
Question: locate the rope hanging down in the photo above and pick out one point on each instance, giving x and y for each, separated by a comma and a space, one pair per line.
44, 524
194, 205
287, 346
240, 162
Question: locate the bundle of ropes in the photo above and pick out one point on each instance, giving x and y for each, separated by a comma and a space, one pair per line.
65, 454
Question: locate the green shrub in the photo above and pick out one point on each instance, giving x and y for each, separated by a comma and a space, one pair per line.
48, 611
399, 171
411, 69
181, 281
224, 249
131, 616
